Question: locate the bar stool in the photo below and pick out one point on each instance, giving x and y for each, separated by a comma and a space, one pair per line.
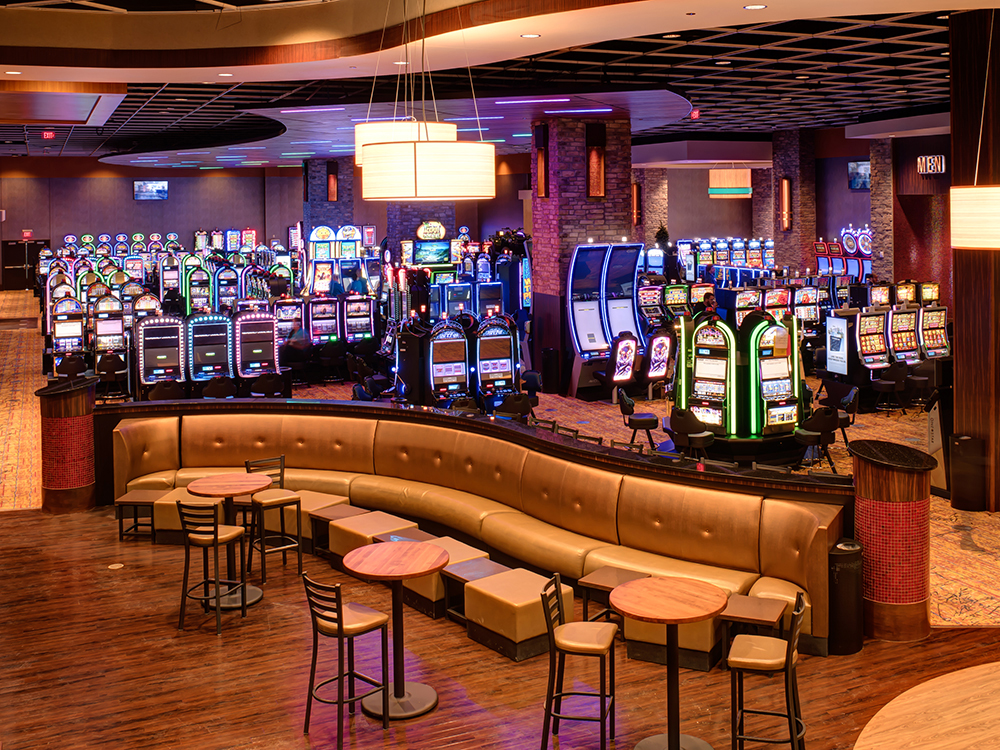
757, 654
333, 619
277, 498
892, 382
201, 528
583, 639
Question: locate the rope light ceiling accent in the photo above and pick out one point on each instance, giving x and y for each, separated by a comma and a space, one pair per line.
411, 159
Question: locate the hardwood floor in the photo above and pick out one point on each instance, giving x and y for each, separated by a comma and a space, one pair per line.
91, 658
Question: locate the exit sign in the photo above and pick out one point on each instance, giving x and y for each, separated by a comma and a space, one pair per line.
27, 234
930, 164
48, 135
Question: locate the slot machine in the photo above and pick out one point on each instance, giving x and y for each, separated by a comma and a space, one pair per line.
170, 274
198, 290
873, 350
722, 253
906, 293
705, 257
738, 253
932, 332
774, 377
654, 260
448, 359
841, 290
80, 267
929, 293
651, 308
173, 244
216, 241
322, 280
903, 343
755, 254
320, 245
129, 291
257, 343
253, 283
107, 266
109, 326
359, 318
69, 245
496, 359
822, 251
709, 389
687, 260
161, 349
583, 303
489, 298
67, 328
145, 305
121, 247
698, 291
324, 320
94, 292
457, 299
747, 300
56, 293
209, 338
675, 300
252, 305
618, 285
155, 243
286, 310
778, 301
874, 295
116, 281
769, 254
227, 286
807, 309
83, 283
87, 245
103, 249
232, 241
248, 237
484, 269
135, 267
45, 257
823, 294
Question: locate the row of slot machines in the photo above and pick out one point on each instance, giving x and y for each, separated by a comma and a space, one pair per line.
741, 383
464, 357
98, 327
436, 295
844, 258
660, 303
328, 320
875, 337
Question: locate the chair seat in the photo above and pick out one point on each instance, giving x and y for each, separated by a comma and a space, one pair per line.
275, 497
758, 653
701, 439
644, 421
585, 637
885, 386
809, 437
844, 417
202, 537
358, 619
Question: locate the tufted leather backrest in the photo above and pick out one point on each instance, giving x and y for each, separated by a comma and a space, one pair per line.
229, 439
333, 443
144, 446
786, 541
690, 523
577, 498
463, 461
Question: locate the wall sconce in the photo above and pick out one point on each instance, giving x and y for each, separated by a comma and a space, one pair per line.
331, 181
596, 139
786, 204
636, 204
541, 136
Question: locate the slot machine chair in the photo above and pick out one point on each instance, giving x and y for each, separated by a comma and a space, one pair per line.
531, 381
819, 431
219, 387
358, 393
268, 385
112, 371
330, 357
515, 406
71, 366
643, 421
848, 411
688, 433
465, 407
918, 390
607, 376
892, 382
166, 390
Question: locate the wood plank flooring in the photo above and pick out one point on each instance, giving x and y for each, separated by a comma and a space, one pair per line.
91, 658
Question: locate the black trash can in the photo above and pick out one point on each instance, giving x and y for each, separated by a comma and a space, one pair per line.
550, 370
968, 473
846, 598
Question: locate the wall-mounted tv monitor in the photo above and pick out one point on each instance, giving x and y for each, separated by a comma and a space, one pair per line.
859, 175
431, 252
149, 190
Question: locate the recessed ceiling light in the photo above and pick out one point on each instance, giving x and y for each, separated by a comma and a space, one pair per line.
754, 7
802, 78
723, 62
901, 91
530, 36
225, 75
946, 53
400, 62
689, 14
12, 72
671, 36
945, 17
180, 100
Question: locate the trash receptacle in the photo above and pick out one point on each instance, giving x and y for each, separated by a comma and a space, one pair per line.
968, 473
550, 370
846, 598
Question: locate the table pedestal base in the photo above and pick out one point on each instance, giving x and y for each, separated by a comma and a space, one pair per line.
417, 700
232, 601
662, 742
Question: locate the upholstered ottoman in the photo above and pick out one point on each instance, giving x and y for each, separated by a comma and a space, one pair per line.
166, 518
350, 533
426, 594
504, 612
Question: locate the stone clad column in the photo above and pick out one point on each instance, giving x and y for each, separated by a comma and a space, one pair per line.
794, 157
316, 209
883, 205
404, 218
566, 217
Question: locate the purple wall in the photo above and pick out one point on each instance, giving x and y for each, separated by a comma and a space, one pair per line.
836, 204
691, 213
506, 210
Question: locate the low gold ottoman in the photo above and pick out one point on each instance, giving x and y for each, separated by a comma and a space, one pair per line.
309, 501
357, 531
166, 518
504, 613
426, 594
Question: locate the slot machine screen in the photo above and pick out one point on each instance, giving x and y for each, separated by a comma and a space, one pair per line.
322, 278
904, 321
495, 362
444, 278
586, 281
434, 302
256, 354
431, 252
747, 299
199, 293
448, 361
114, 327
321, 250
698, 292
934, 319
158, 359
624, 361
776, 298
170, 278
133, 267
837, 264
871, 324
68, 329
649, 296
906, 292
659, 357
459, 299
490, 299
929, 292
708, 416
774, 369
710, 368
210, 346
589, 331
675, 295
822, 265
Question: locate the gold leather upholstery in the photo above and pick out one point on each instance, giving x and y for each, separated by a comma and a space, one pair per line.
350, 533
143, 447
308, 501
228, 439
165, 514
203, 537
358, 619
731, 581
758, 653
275, 497
432, 587
585, 637
510, 603
693, 636
327, 444
538, 543
157, 480
775, 588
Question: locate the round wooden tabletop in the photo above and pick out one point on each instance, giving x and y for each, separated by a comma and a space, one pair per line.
669, 601
957, 710
395, 561
229, 485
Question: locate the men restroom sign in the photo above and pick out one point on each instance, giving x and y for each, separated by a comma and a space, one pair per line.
930, 164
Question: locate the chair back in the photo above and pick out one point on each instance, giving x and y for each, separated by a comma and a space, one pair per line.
531, 381
166, 390
823, 419
684, 422
326, 604
552, 607
795, 629
199, 518
273, 467
219, 387
897, 371
849, 403
358, 393
268, 385
515, 403
352, 366
626, 405
70, 366
110, 365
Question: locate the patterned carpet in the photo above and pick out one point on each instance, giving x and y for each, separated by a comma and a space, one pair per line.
965, 547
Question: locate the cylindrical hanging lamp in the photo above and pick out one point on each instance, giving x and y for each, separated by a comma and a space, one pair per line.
428, 171
975, 210
390, 131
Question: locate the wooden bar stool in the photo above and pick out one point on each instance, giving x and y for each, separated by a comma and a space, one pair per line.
757, 654
345, 622
583, 639
201, 527
274, 498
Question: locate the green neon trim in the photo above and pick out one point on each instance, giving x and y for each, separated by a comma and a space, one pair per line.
731, 395
730, 191
756, 426
794, 353
682, 360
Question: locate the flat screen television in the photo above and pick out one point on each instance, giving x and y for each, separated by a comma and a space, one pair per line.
149, 190
431, 252
859, 175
